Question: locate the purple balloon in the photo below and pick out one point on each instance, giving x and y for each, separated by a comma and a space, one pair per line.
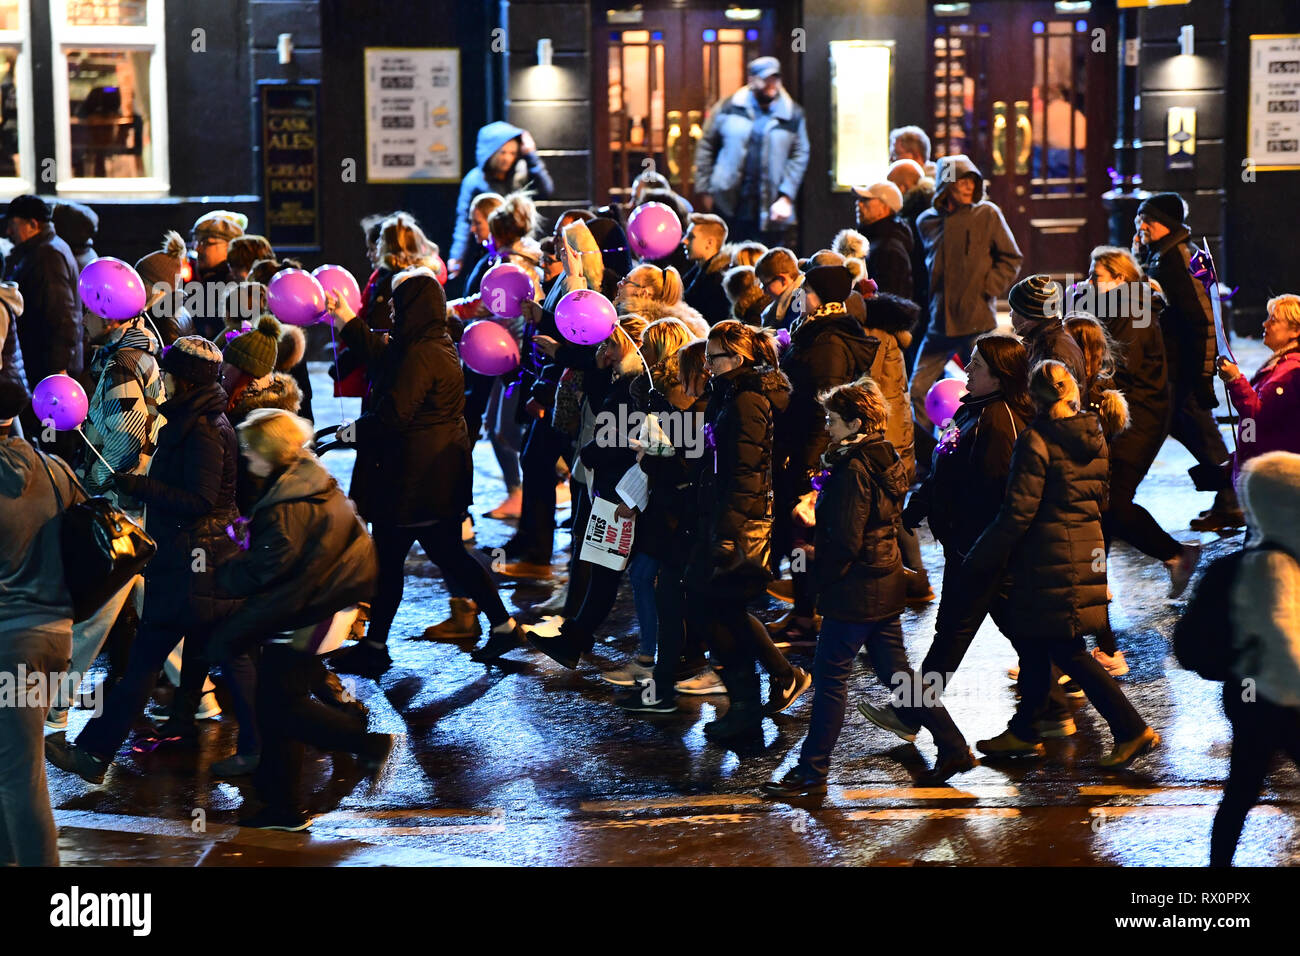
60, 399
585, 317
340, 282
943, 399
295, 297
112, 289
489, 348
653, 230
504, 287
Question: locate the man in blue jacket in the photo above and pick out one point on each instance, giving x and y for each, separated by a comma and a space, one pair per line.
506, 160
752, 157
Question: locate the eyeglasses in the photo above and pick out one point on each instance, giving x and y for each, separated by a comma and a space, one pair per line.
210, 241
714, 356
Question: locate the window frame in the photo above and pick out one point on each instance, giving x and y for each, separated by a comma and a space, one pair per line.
25, 182
150, 38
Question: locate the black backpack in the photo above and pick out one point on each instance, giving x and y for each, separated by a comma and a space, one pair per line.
1203, 635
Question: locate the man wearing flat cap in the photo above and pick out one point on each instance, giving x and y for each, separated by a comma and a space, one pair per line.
49, 330
211, 234
751, 160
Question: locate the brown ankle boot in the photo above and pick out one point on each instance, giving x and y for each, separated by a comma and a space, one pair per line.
462, 625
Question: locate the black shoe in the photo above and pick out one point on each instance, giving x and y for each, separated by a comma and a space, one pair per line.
950, 766
797, 783
783, 698
887, 718
558, 649
236, 765
269, 818
499, 643
175, 732
374, 762
73, 759
364, 658
642, 700
331, 692
738, 723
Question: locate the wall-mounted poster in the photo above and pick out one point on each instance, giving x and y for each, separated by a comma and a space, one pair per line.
1274, 125
861, 72
290, 189
412, 114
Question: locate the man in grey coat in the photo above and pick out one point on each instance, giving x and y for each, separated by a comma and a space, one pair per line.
752, 157
972, 259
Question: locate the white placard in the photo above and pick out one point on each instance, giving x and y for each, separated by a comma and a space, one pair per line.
860, 80
1274, 126
608, 538
412, 114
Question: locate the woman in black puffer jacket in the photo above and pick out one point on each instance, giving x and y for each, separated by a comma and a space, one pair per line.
414, 473
729, 564
1046, 539
190, 493
861, 589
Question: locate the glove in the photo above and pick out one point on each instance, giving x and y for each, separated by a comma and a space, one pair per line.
913, 513
125, 482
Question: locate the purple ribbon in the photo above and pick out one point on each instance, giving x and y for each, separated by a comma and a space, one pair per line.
819, 479
1202, 269
711, 443
238, 532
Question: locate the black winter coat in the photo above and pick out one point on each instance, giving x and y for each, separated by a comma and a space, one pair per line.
190, 494
309, 557
889, 255
1047, 534
610, 454
413, 453
703, 289
967, 483
828, 349
1050, 340
858, 566
50, 326
731, 552
1140, 373
1187, 322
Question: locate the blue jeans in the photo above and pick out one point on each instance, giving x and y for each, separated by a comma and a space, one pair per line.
933, 355
642, 570
837, 646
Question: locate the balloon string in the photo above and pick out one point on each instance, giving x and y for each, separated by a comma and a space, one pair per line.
92, 447
338, 381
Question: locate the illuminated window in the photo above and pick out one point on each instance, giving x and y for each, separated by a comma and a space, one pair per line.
110, 95
16, 149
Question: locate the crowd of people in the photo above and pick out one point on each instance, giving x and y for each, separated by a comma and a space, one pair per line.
759, 418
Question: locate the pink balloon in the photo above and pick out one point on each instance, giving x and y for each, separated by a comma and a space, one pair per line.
585, 317
112, 289
943, 399
653, 230
489, 348
340, 282
504, 287
60, 399
439, 269
295, 297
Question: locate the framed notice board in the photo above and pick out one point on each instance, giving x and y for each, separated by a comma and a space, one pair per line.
412, 114
1273, 127
289, 116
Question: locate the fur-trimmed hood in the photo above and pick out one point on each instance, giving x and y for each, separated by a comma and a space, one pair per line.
892, 313
719, 263
851, 244
280, 392
653, 309
1112, 409
766, 380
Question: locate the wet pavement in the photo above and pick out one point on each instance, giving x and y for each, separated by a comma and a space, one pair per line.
531, 764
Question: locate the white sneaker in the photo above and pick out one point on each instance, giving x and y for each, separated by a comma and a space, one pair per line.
547, 627
706, 682
208, 707
630, 675
554, 604
56, 722
1115, 665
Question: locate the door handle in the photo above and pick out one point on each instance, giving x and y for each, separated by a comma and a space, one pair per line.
1024, 137
674, 134
999, 137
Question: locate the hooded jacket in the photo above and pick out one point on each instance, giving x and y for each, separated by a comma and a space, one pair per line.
11, 352
1265, 608
1047, 534
50, 326
1187, 321
1271, 400
858, 566
971, 256
703, 289
529, 171
413, 452
916, 201
721, 152
828, 349
190, 498
889, 255
890, 320
123, 421
309, 557
32, 587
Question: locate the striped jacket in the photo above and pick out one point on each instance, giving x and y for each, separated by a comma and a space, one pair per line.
123, 421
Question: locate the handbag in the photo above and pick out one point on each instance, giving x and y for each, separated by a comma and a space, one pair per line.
102, 547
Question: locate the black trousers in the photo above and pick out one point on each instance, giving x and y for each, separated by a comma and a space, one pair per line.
1193, 426
579, 570
288, 717
1037, 680
1259, 730
442, 545
477, 390
682, 626
535, 539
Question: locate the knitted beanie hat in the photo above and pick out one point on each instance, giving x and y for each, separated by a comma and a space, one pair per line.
162, 266
192, 358
256, 350
831, 283
1165, 208
1037, 298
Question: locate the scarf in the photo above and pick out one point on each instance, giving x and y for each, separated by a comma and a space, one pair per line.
829, 308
